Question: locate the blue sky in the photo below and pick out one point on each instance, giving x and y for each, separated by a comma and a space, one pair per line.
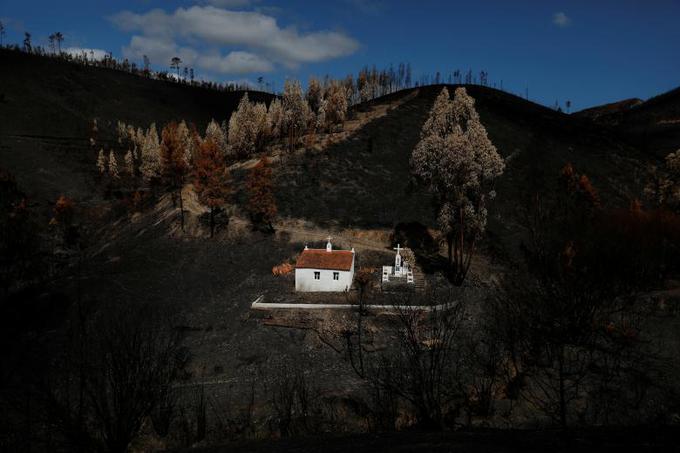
589, 52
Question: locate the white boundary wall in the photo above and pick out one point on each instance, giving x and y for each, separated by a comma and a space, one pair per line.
259, 305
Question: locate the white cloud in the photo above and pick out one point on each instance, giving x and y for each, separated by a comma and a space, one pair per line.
160, 51
236, 62
90, 54
204, 26
561, 20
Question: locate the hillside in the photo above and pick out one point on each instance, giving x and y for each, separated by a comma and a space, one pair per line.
607, 110
47, 107
605, 441
354, 184
359, 178
652, 125
365, 181
363, 175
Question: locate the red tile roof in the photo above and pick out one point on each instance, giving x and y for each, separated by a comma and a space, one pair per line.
337, 260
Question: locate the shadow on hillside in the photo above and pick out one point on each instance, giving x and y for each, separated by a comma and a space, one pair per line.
363, 181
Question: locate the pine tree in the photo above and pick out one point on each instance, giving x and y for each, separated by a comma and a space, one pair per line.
458, 162
350, 91
59, 38
175, 62
275, 118
150, 154
129, 163
314, 95
296, 113
262, 127
321, 122
122, 132
216, 133
211, 178
113, 166
101, 162
261, 202
363, 86
174, 167
188, 143
243, 129
336, 104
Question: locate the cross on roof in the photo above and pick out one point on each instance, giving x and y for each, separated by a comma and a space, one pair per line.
329, 238
398, 249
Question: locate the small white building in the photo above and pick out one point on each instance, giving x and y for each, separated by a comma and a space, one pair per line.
324, 269
401, 271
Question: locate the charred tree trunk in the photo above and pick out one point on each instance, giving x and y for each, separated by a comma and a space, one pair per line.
359, 330
212, 221
181, 207
563, 402
449, 244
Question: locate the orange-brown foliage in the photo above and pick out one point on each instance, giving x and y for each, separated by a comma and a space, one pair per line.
364, 274
62, 211
211, 176
588, 191
173, 163
261, 202
579, 185
282, 269
568, 172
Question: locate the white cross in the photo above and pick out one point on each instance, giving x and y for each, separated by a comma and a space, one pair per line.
397, 249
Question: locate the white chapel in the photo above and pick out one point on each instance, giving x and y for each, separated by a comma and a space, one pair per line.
324, 269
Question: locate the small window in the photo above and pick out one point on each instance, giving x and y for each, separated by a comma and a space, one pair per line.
317, 275
336, 275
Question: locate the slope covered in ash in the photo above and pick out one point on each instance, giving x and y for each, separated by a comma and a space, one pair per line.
365, 181
608, 110
362, 180
652, 125
47, 107
359, 182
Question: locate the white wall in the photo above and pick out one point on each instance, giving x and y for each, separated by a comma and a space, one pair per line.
304, 280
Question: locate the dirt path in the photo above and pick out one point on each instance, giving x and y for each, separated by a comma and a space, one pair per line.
302, 234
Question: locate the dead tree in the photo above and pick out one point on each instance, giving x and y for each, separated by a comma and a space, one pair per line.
99, 394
